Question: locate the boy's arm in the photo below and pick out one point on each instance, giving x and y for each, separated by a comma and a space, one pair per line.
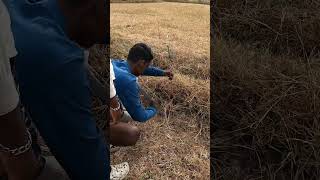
116, 110
134, 106
154, 71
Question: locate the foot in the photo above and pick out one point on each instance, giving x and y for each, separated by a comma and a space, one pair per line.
126, 117
114, 149
119, 171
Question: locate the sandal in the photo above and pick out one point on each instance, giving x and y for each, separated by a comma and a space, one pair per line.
120, 171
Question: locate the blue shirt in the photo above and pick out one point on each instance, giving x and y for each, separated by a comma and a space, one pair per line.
128, 90
53, 85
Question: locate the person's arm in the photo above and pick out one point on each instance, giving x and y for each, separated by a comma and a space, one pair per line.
134, 106
154, 71
116, 110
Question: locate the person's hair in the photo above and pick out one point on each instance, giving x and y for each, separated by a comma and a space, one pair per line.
140, 51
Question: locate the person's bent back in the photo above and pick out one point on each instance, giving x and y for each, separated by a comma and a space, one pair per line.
139, 59
129, 94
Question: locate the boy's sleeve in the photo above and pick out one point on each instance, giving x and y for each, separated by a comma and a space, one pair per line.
153, 71
134, 106
112, 78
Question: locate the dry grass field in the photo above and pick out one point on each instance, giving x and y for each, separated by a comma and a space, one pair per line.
175, 144
284, 27
266, 106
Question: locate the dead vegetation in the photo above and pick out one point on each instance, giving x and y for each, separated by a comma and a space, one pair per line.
290, 27
266, 102
175, 144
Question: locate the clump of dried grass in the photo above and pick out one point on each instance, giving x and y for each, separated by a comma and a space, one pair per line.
281, 26
169, 148
185, 94
266, 114
98, 59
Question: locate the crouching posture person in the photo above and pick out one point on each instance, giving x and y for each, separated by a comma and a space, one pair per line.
121, 133
126, 73
117, 130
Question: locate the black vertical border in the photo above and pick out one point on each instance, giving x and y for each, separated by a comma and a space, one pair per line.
212, 83
107, 52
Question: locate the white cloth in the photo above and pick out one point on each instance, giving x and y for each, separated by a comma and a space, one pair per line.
112, 78
86, 57
9, 97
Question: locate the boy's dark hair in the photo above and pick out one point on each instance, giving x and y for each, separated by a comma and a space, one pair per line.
140, 51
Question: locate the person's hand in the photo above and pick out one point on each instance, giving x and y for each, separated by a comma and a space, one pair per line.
169, 74
151, 103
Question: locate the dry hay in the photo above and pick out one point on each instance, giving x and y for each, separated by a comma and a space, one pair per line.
183, 94
98, 59
169, 148
266, 114
175, 144
282, 26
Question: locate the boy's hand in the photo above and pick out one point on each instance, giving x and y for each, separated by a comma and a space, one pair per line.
151, 103
169, 74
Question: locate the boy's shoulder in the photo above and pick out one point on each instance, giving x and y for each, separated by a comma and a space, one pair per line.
122, 74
